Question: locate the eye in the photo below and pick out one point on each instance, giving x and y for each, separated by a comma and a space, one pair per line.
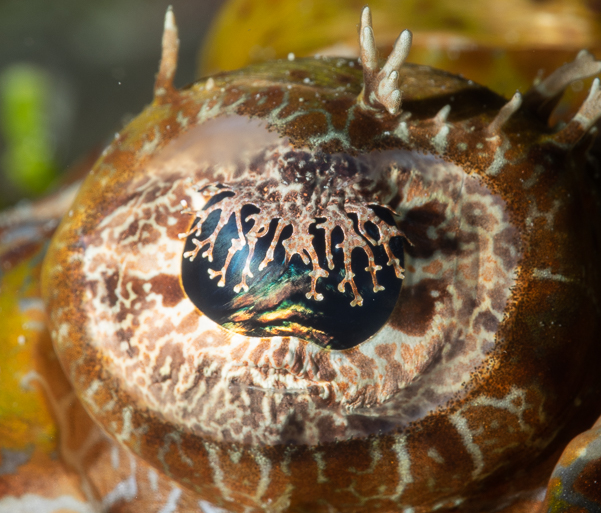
299, 250
335, 265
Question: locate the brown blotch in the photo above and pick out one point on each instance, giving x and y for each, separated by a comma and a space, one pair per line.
415, 225
311, 124
199, 376
177, 360
325, 370
279, 355
169, 287
498, 299
363, 363
487, 321
416, 307
259, 351
338, 109
505, 246
291, 196
348, 373
189, 323
148, 234
588, 482
328, 430
364, 128
433, 268
475, 213
269, 99
125, 335
110, 283
299, 359
394, 370
231, 96
238, 352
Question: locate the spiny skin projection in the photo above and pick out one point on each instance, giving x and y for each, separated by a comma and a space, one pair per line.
317, 209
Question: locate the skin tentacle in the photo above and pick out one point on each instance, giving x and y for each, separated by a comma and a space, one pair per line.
381, 87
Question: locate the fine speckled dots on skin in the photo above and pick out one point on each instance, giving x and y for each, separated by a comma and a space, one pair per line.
462, 398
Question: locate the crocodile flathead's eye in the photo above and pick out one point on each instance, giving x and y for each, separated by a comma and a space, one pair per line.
297, 242
246, 259
323, 267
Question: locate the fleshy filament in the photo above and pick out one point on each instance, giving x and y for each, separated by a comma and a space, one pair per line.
298, 205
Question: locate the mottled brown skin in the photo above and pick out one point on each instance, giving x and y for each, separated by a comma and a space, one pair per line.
534, 391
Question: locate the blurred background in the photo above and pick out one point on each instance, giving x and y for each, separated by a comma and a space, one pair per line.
72, 72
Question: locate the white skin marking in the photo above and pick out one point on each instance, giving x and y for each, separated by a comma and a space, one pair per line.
435, 455
115, 457
235, 455
498, 159
404, 466
288, 452
207, 507
402, 131
172, 501
321, 467
177, 439
533, 180
332, 134
182, 120
549, 216
126, 490
467, 436
375, 455
547, 274
439, 141
29, 503
448, 503
61, 407
127, 427
405, 477
218, 476
150, 146
165, 370
153, 479
514, 402
265, 471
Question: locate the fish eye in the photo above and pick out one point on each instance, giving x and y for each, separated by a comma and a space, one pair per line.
297, 251
320, 267
332, 272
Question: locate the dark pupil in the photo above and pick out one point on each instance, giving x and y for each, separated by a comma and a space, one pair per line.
276, 302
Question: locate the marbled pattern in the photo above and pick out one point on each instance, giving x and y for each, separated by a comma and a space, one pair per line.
463, 401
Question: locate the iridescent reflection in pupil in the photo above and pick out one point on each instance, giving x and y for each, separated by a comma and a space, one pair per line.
276, 302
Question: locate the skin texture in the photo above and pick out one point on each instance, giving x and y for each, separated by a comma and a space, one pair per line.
506, 46
466, 397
